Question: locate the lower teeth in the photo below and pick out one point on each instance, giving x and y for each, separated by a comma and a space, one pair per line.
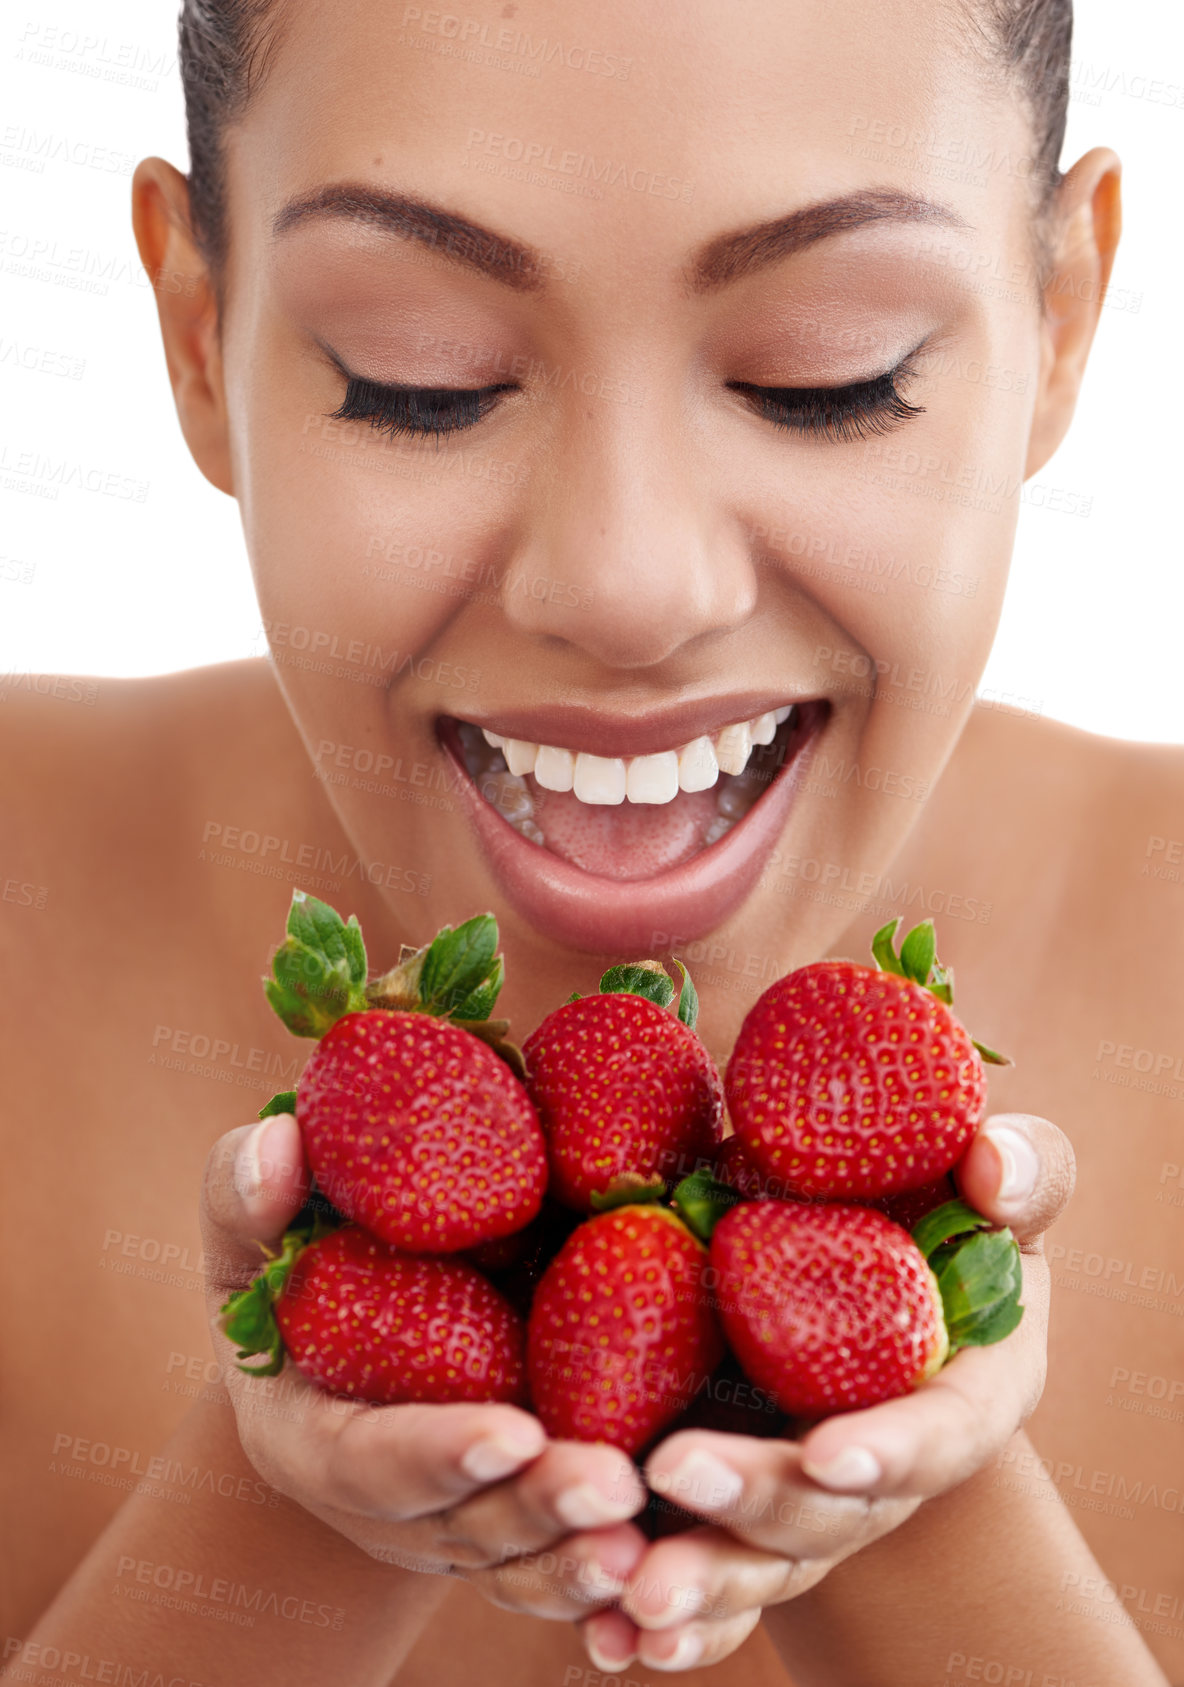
511, 796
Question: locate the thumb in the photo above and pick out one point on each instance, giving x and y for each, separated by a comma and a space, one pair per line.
256, 1181
1019, 1171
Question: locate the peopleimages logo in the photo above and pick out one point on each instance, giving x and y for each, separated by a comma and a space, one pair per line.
581, 166
469, 33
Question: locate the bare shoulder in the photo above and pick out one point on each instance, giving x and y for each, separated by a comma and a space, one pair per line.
1069, 848
1090, 825
108, 784
128, 756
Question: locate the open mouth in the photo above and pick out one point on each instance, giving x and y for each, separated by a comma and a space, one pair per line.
629, 818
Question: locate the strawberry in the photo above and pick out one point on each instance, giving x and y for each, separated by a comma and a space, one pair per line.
735, 1167
515, 1264
415, 1129
622, 1085
830, 1308
621, 1331
851, 1081
413, 1126
366, 1321
907, 1209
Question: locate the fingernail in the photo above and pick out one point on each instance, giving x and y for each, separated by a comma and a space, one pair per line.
849, 1471
495, 1457
1020, 1165
247, 1176
706, 1482
687, 1651
609, 1651
585, 1507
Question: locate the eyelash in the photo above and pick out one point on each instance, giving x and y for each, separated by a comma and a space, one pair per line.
840, 414
414, 410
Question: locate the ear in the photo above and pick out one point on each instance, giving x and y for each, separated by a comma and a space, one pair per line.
187, 304
1087, 224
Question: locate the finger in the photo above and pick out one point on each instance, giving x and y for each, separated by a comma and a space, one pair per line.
256, 1181
944, 1431
386, 1463
571, 1486
706, 1573
1019, 1171
581, 1573
757, 1490
612, 1642
696, 1644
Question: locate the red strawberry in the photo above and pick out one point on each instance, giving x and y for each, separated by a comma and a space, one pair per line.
415, 1129
735, 1167
856, 1081
830, 1308
908, 1208
621, 1332
622, 1085
413, 1126
366, 1321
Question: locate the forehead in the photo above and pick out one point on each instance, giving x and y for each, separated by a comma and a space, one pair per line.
644, 123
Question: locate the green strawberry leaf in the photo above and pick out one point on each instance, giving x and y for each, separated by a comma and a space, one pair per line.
248, 1317
628, 1189
918, 961
952, 1218
459, 964
322, 929
284, 1102
918, 952
319, 971
574, 997
308, 993
702, 1200
639, 978
980, 1283
884, 948
990, 1056
688, 998
481, 1003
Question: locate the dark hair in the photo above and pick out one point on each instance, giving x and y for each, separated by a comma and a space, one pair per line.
225, 46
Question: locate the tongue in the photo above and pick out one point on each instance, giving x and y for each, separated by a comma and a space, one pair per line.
625, 841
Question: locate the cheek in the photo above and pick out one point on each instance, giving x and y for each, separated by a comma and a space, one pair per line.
364, 550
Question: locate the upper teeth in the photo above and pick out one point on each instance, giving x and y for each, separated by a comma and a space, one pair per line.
641, 779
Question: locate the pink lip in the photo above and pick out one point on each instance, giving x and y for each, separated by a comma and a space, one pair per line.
636, 917
598, 734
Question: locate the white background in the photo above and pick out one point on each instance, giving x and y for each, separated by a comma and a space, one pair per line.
101, 583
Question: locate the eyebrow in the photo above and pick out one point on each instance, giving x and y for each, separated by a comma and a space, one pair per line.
722, 261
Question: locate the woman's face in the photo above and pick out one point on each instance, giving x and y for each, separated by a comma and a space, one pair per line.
623, 547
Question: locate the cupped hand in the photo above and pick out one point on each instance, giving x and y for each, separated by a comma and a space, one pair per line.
479, 1491
781, 1514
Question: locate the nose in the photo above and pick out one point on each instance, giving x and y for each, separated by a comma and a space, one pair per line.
627, 551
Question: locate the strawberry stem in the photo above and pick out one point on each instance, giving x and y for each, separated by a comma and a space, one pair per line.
628, 1189
701, 1201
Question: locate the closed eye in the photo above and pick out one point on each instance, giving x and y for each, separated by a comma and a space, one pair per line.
415, 410
845, 413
